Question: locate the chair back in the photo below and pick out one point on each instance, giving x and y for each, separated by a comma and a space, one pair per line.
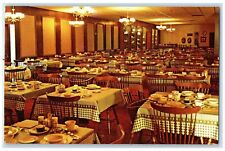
64, 107
107, 81
80, 82
121, 134
174, 70
158, 83
133, 93
174, 125
193, 86
124, 79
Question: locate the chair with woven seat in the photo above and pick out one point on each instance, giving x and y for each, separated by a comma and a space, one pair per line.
173, 125
193, 86
64, 108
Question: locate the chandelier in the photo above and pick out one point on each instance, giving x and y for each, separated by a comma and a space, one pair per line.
127, 20
80, 13
171, 29
76, 22
161, 27
13, 17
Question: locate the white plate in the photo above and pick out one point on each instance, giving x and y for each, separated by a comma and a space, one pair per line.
66, 139
34, 131
10, 130
27, 139
214, 102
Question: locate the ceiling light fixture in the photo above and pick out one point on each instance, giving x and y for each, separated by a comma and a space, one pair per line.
76, 22
161, 27
127, 20
80, 13
12, 17
170, 29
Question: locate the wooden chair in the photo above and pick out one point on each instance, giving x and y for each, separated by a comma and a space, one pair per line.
75, 81
79, 78
26, 113
107, 81
135, 67
133, 93
121, 135
123, 79
194, 70
53, 70
174, 70
64, 108
174, 125
193, 86
156, 83
132, 109
43, 77
52, 78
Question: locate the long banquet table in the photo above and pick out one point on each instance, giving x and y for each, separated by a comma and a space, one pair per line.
207, 124
89, 107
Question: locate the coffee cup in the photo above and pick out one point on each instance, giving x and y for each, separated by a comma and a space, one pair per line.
198, 103
70, 125
200, 95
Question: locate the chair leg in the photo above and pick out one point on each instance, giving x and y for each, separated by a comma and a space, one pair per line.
140, 136
77, 115
131, 138
114, 111
108, 122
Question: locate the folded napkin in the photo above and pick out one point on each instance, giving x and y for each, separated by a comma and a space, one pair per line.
26, 124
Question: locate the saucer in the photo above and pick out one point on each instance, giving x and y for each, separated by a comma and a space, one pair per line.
27, 139
66, 139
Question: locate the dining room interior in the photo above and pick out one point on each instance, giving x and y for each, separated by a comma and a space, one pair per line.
112, 74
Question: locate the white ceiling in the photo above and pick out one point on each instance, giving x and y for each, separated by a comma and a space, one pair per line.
152, 14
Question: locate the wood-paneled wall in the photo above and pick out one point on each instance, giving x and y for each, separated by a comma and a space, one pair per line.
49, 33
